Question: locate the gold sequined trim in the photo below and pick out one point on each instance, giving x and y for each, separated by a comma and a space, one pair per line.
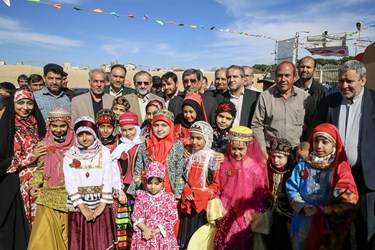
90, 189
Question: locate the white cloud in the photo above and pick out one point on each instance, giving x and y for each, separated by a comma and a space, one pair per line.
121, 47
13, 31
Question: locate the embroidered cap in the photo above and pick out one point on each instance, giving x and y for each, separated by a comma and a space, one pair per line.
87, 124
128, 118
155, 169
240, 133
162, 112
59, 114
281, 146
106, 116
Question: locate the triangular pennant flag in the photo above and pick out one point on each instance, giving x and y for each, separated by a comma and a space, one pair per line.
115, 14
98, 10
170, 22
77, 8
181, 24
7, 2
56, 5
159, 22
212, 28
202, 27
34, 1
193, 26
145, 17
131, 16
227, 30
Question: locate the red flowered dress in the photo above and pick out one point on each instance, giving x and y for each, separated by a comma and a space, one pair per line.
155, 211
25, 139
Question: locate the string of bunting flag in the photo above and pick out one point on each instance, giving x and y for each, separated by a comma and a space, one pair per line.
160, 22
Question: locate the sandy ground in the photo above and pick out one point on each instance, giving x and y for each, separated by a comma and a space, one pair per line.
79, 78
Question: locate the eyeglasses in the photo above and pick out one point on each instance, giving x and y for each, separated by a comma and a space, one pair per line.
144, 83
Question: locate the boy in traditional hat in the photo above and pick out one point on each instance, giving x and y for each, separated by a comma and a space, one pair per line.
280, 164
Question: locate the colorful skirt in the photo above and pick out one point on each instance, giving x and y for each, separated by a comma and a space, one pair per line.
91, 235
124, 225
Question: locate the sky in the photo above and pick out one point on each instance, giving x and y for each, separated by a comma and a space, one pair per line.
37, 33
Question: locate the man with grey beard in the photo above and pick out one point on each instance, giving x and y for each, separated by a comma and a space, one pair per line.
138, 101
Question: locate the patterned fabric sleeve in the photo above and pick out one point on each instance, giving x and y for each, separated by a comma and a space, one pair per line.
293, 188
138, 212
179, 160
138, 167
23, 155
38, 177
170, 214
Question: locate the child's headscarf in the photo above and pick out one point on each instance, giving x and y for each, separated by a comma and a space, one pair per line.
84, 124
227, 106
195, 101
56, 147
205, 156
127, 118
158, 149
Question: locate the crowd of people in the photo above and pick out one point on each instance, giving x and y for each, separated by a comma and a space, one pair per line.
152, 167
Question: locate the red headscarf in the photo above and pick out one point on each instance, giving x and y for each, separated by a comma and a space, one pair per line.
342, 178
158, 149
53, 160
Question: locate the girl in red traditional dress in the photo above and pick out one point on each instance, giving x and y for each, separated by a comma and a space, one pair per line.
202, 182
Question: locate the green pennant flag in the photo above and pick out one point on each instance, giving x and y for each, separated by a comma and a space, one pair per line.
77, 8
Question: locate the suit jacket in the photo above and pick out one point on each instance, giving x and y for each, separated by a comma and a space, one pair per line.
329, 111
82, 105
134, 104
125, 90
249, 102
317, 91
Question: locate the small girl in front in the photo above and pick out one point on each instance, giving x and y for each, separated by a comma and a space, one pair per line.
155, 213
323, 193
88, 181
202, 182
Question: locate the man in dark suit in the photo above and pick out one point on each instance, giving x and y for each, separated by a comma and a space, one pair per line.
244, 99
117, 80
306, 70
169, 82
352, 111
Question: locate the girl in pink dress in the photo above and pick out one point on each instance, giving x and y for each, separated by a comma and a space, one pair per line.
155, 213
244, 187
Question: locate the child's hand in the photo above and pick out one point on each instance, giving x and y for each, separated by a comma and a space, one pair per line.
190, 197
34, 192
99, 210
310, 210
154, 232
39, 150
219, 158
87, 213
146, 233
187, 154
122, 197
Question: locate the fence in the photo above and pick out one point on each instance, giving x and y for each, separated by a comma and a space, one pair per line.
326, 73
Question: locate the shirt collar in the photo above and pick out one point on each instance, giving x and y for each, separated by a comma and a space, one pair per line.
355, 99
114, 93
46, 92
242, 93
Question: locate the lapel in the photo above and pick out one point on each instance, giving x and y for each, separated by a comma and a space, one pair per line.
334, 110
88, 104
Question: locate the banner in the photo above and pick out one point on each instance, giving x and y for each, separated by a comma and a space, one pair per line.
330, 51
285, 50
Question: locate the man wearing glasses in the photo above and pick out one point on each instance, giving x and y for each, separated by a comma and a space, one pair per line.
90, 103
139, 100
